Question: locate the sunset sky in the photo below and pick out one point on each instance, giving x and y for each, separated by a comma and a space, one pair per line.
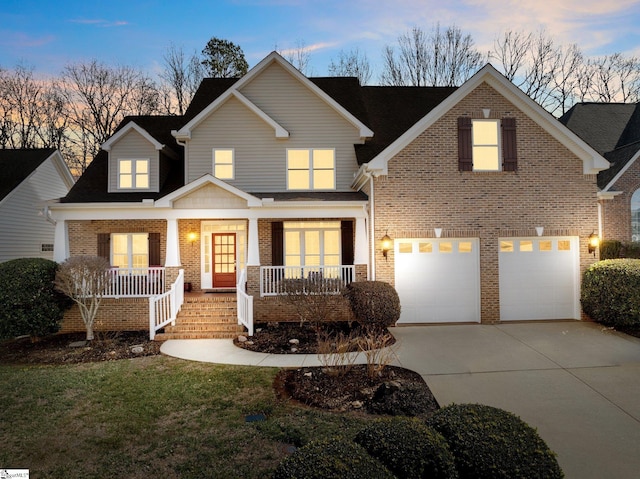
46, 35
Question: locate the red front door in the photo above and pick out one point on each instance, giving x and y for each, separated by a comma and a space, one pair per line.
224, 260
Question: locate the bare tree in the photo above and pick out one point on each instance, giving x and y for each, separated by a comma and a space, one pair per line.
84, 279
299, 57
98, 97
182, 75
566, 80
442, 58
353, 63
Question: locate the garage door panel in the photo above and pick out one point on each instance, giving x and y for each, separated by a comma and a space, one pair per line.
538, 278
438, 280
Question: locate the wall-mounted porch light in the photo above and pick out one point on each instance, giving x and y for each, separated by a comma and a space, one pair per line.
192, 236
386, 243
594, 242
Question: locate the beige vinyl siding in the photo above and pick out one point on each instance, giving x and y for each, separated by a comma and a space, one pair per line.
22, 229
260, 157
133, 146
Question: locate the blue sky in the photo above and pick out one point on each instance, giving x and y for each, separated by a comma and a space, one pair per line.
49, 34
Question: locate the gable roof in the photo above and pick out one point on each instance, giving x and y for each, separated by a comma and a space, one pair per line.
185, 131
207, 180
18, 164
613, 129
592, 161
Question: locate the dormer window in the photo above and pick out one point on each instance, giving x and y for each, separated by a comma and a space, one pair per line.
311, 169
133, 174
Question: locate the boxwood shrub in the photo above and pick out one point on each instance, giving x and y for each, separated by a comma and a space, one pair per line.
375, 304
408, 448
610, 292
613, 249
29, 303
491, 443
331, 459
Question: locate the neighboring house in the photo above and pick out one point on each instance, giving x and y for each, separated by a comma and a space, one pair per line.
488, 200
613, 129
29, 177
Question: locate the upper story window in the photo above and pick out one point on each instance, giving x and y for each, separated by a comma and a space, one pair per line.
133, 173
223, 164
311, 169
487, 144
635, 216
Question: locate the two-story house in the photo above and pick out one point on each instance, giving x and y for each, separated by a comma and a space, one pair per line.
487, 200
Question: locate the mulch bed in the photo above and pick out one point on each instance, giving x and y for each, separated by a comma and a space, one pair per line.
56, 349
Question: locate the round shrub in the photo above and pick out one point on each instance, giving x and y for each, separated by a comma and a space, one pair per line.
491, 443
610, 292
331, 459
408, 448
375, 304
29, 302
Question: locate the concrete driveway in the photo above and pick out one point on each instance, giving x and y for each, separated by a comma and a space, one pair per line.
576, 382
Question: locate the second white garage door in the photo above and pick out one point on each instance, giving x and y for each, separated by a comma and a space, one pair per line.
539, 278
438, 280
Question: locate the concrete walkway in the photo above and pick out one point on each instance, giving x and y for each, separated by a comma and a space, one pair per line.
577, 383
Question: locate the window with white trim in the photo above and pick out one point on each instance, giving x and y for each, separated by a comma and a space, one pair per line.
486, 145
223, 164
133, 173
312, 243
311, 169
130, 250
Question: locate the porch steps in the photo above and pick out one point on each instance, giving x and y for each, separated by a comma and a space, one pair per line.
205, 316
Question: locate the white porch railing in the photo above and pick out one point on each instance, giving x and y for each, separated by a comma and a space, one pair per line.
135, 282
245, 303
277, 280
164, 308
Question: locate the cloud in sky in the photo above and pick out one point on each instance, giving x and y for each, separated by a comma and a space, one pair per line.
99, 22
20, 40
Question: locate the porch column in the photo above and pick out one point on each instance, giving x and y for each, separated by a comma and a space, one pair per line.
361, 253
253, 253
173, 244
61, 242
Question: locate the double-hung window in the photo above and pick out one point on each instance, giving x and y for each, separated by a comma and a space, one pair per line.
311, 169
133, 173
223, 164
130, 250
635, 216
487, 144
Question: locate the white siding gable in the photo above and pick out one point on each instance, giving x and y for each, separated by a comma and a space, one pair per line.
132, 145
23, 230
260, 157
210, 196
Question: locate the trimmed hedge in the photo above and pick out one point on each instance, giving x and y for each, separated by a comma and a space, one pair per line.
408, 448
29, 302
375, 304
491, 443
610, 292
331, 459
614, 249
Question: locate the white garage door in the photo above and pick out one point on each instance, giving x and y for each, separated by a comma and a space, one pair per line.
539, 278
438, 280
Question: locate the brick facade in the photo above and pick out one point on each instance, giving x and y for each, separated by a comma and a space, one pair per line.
125, 314
616, 213
425, 190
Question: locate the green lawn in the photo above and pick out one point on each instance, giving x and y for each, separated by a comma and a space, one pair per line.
151, 417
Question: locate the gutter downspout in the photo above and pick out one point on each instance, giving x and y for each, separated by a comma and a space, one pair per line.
372, 221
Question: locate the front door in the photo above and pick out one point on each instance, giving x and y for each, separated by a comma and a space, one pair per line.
224, 260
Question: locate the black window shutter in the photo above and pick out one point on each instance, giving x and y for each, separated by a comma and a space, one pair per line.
104, 246
509, 148
154, 249
346, 233
465, 149
277, 243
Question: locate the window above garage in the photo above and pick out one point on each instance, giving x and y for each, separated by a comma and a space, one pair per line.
487, 144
